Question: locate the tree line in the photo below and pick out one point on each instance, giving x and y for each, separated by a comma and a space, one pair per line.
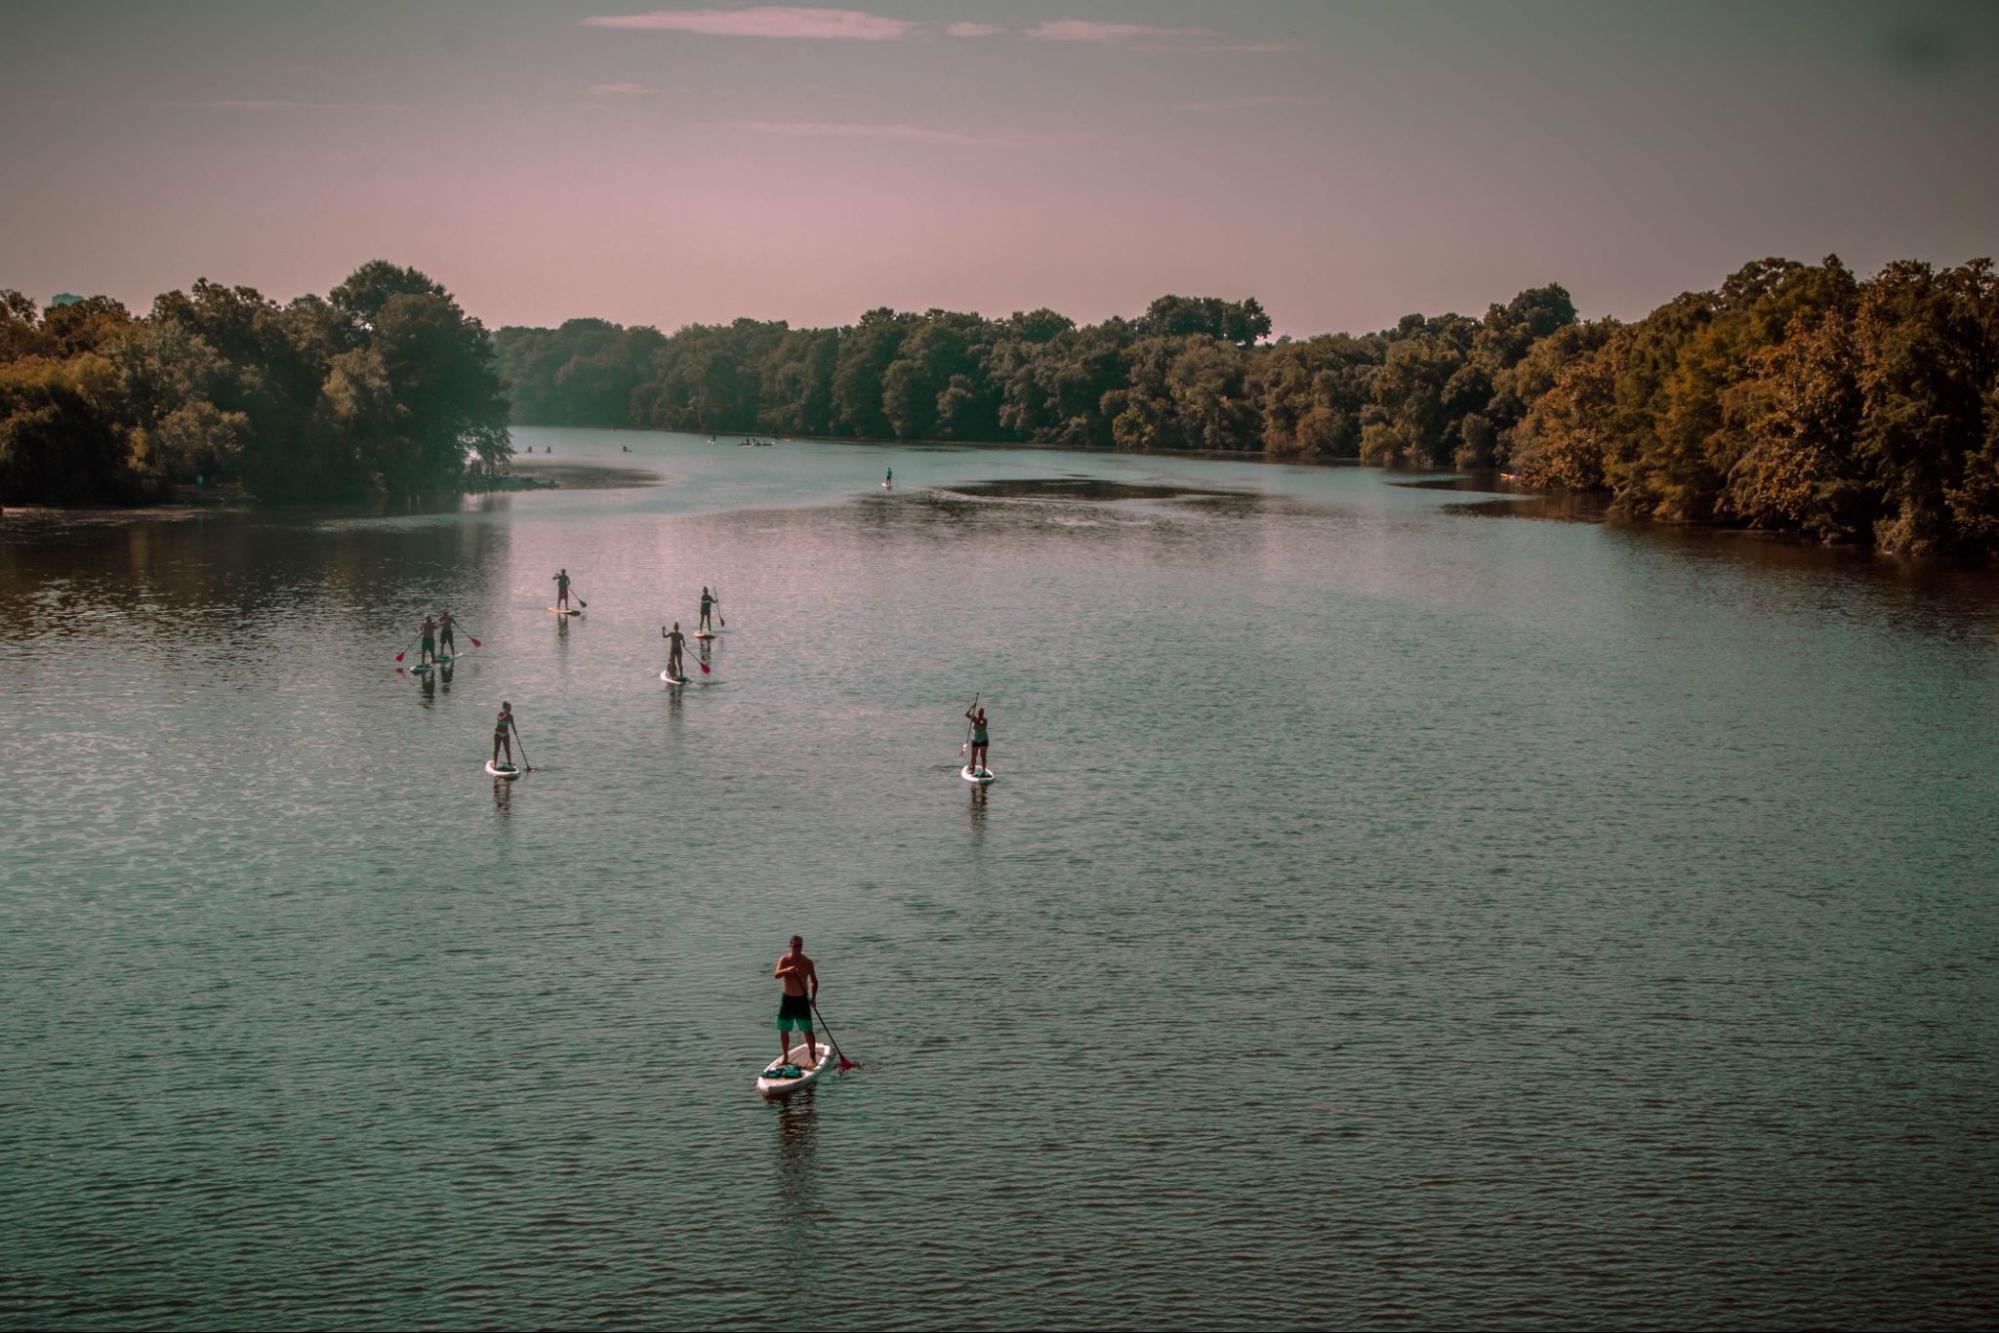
383, 386
1795, 397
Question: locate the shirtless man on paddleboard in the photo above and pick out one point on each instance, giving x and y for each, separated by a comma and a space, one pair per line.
795, 973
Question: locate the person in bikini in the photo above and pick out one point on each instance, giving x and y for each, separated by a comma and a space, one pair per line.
675, 641
501, 726
795, 973
977, 717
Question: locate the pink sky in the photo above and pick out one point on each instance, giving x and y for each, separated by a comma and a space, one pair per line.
1345, 164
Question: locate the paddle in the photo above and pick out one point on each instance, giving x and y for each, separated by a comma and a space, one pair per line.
718, 611
406, 647
968, 726
845, 1063
525, 765
475, 639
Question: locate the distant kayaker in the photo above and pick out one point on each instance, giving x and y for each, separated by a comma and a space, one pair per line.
708, 601
562, 588
428, 653
675, 641
795, 973
501, 727
977, 717
445, 643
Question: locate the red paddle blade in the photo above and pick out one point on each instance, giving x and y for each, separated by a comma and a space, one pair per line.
846, 1064
475, 642
399, 656
704, 668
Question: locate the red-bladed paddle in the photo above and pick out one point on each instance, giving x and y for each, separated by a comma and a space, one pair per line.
475, 639
845, 1063
406, 647
525, 765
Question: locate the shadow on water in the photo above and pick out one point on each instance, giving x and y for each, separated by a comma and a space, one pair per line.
797, 1134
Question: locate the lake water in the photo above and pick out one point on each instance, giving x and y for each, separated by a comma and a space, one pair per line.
1387, 913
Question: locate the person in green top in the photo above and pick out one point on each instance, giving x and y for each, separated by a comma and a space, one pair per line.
562, 588
708, 601
675, 640
889, 480
977, 717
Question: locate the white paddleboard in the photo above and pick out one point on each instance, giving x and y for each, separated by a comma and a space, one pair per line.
567, 610
672, 679
810, 1066
502, 770
706, 634
981, 776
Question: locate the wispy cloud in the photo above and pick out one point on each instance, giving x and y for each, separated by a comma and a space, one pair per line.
1110, 34
975, 29
823, 129
764, 21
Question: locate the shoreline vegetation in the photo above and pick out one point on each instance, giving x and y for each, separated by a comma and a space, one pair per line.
1793, 398
382, 388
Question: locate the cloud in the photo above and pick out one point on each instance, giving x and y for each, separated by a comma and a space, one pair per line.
821, 129
1108, 34
975, 29
764, 21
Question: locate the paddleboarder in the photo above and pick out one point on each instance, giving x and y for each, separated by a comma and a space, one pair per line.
562, 588
708, 601
977, 717
502, 725
428, 653
675, 641
445, 643
795, 973
889, 480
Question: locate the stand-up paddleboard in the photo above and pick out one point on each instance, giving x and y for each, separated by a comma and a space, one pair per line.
705, 634
420, 666
566, 610
502, 770
888, 486
799, 1068
979, 775
672, 679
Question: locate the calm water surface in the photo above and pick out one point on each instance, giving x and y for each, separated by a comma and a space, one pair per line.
1387, 913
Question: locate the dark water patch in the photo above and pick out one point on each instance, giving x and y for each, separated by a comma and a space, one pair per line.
585, 476
1090, 490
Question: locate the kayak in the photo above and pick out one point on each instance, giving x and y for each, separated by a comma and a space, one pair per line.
672, 679
566, 610
502, 770
798, 1069
979, 775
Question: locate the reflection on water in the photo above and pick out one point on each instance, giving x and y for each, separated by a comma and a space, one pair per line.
1640, 883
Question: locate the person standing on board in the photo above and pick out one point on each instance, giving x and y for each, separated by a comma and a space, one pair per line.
889, 480
562, 588
445, 642
501, 726
675, 641
428, 653
708, 600
795, 973
977, 717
